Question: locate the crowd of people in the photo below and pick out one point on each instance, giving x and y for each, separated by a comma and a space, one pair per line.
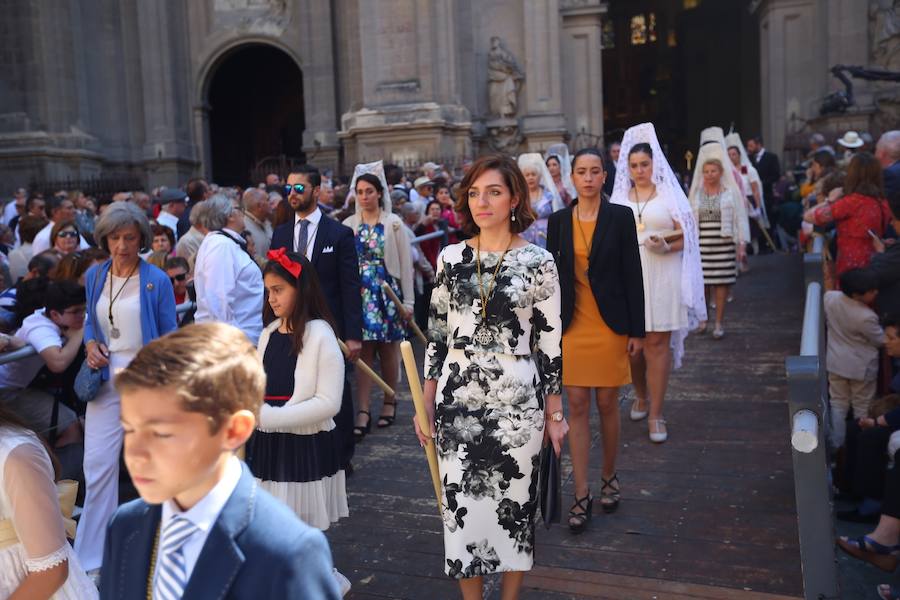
176, 326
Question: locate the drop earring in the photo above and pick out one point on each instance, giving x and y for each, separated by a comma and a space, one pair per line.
512, 215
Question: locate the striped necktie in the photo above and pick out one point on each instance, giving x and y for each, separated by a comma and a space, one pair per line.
171, 575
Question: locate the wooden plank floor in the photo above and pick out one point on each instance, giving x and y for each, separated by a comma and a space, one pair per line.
710, 514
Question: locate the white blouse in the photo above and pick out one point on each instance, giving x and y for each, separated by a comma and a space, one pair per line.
126, 314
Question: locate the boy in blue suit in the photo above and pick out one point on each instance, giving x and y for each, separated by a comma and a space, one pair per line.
203, 528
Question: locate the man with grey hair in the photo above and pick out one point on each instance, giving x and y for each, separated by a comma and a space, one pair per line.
887, 151
817, 143
189, 243
228, 281
258, 214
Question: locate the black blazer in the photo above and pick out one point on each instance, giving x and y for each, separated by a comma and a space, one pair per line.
769, 169
614, 267
338, 271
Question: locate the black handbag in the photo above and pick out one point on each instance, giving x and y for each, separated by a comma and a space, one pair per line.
550, 488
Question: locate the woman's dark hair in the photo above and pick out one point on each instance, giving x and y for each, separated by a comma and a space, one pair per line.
376, 183
58, 228
552, 157
44, 262
309, 302
833, 180
590, 151
427, 206
642, 147
825, 159
30, 226
858, 281
72, 266
156, 230
864, 176
514, 180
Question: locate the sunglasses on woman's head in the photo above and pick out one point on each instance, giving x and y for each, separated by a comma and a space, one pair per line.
297, 187
65, 234
180, 277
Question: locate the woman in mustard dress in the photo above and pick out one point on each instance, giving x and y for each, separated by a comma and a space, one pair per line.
595, 247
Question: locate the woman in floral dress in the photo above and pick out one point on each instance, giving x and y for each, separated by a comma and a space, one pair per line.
384, 256
493, 378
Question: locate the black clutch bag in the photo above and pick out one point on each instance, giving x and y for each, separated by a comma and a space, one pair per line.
549, 487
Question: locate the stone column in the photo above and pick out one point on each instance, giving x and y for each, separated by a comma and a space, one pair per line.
582, 65
320, 141
543, 122
168, 154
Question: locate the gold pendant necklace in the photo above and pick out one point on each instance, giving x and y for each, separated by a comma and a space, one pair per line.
483, 335
641, 226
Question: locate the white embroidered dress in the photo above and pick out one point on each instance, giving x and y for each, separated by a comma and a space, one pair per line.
29, 500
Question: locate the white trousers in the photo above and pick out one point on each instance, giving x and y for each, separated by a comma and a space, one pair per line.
102, 447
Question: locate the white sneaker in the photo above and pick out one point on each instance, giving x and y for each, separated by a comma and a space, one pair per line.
343, 582
637, 415
658, 431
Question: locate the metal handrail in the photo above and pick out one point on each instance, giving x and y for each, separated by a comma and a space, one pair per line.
440, 233
812, 320
28, 350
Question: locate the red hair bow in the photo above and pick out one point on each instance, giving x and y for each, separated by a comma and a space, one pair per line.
280, 256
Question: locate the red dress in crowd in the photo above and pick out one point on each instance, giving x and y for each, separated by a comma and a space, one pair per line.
854, 215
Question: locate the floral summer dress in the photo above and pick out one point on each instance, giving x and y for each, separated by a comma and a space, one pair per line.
381, 321
492, 379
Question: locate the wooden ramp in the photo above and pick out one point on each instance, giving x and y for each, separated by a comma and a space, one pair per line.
710, 514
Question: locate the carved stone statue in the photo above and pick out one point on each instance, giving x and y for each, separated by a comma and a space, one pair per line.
884, 17
504, 80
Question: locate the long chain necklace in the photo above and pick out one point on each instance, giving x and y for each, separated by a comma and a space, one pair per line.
641, 226
484, 336
153, 564
114, 332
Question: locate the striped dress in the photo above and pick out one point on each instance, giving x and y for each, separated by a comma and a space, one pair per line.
718, 255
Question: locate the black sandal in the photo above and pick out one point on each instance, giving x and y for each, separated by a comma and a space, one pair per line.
609, 500
360, 432
387, 421
578, 521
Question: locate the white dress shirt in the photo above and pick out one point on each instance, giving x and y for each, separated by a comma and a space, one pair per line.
229, 284
203, 515
42, 240
9, 211
314, 218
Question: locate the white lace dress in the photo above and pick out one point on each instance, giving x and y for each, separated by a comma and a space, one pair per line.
29, 500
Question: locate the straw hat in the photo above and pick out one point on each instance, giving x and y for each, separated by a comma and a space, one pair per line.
851, 139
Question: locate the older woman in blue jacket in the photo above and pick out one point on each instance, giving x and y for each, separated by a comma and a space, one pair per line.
129, 303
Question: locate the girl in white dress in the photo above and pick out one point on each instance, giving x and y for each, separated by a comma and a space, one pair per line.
36, 561
670, 259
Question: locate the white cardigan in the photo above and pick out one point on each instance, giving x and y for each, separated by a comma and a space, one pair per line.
318, 383
397, 252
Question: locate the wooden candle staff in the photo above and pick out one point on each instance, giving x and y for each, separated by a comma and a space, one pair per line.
412, 323
368, 371
412, 375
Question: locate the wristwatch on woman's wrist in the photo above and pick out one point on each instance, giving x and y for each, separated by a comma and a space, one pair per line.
556, 416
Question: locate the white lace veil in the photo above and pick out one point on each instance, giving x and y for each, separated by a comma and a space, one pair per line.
375, 168
712, 146
734, 139
533, 160
561, 153
671, 193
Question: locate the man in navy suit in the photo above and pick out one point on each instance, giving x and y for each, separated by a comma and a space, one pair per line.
887, 151
331, 248
769, 168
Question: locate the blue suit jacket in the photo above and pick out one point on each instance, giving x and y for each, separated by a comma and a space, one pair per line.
338, 271
257, 548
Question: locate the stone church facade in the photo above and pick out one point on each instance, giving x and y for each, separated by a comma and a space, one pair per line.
91, 89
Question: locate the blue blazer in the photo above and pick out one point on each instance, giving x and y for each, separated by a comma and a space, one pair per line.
257, 548
157, 303
338, 271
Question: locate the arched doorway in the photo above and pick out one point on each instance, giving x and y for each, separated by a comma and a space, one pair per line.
255, 111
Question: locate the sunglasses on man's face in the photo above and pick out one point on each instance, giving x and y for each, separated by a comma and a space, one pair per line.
180, 277
299, 188
67, 234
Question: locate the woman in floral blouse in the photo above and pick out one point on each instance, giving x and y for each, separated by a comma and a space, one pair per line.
493, 378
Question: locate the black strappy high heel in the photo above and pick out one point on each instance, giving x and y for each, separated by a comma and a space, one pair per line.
359, 432
578, 521
387, 420
609, 500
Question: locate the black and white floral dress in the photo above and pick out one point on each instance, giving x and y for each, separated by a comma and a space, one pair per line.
489, 408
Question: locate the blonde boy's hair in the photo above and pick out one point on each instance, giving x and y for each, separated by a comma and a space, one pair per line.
212, 368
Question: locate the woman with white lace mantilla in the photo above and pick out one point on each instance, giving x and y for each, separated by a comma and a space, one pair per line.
670, 260
493, 378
